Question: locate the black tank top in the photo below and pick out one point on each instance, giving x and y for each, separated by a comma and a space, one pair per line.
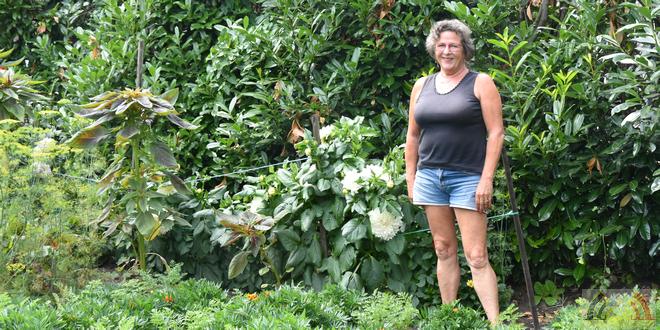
453, 132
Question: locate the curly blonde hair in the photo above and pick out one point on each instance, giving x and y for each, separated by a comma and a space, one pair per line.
455, 26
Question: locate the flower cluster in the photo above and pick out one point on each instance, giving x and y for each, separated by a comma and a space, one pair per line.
168, 299
39, 151
326, 131
252, 296
384, 225
354, 180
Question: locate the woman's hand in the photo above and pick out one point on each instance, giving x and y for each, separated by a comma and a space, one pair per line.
410, 181
484, 195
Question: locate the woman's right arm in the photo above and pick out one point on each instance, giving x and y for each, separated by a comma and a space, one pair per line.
412, 138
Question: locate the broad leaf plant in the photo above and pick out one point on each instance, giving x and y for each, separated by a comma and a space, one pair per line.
16, 92
141, 176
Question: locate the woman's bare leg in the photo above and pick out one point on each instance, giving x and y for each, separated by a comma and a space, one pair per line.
441, 223
473, 226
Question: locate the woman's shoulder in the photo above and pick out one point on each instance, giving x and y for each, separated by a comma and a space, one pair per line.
481, 76
421, 80
483, 82
419, 84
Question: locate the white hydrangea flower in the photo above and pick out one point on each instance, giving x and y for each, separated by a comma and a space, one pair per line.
326, 131
384, 225
256, 204
375, 171
350, 181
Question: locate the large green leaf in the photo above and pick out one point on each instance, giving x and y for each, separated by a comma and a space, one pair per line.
237, 264
170, 96
330, 222
314, 252
144, 101
306, 219
145, 223
102, 120
645, 229
354, 230
396, 244
331, 265
547, 209
12, 109
178, 184
176, 120
578, 272
129, 130
88, 138
121, 108
162, 154
109, 176
351, 281
347, 258
295, 258
372, 272
289, 239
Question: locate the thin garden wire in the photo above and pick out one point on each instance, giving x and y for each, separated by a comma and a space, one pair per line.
203, 178
247, 170
494, 217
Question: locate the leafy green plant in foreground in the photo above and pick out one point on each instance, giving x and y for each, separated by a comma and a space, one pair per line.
547, 292
134, 181
15, 90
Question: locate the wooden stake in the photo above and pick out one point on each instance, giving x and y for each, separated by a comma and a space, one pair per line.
140, 60
521, 239
316, 130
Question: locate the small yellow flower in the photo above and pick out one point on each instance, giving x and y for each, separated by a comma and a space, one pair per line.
252, 296
470, 283
15, 267
455, 310
272, 191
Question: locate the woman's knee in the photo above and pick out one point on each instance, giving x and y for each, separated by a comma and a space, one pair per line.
477, 258
445, 249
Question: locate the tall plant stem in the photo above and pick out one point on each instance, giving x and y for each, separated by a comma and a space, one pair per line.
269, 262
135, 168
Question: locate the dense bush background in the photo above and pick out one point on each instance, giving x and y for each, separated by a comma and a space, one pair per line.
580, 103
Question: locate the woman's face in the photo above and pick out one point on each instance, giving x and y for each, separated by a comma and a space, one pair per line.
449, 52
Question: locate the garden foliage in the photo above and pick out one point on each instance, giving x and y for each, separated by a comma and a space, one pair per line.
168, 302
580, 105
45, 242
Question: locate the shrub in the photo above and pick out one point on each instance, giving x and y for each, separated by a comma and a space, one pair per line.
386, 310
453, 316
45, 242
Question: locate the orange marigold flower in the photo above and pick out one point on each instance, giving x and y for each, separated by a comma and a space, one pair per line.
168, 299
252, 296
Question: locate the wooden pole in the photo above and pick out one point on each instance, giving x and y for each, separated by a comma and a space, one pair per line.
140, 60
316, 123
521, 239
141, 244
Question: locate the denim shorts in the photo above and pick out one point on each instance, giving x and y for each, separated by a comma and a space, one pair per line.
444, 187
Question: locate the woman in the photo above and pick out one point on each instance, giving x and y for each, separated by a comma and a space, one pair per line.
454, 139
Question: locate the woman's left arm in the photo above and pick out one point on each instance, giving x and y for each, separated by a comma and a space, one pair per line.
491, 108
